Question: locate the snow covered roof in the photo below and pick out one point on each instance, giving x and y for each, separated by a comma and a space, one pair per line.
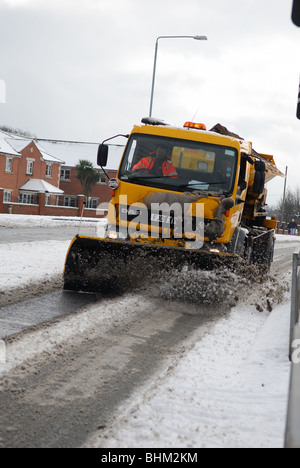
13, 145
5, 146
71, 152
20, 143
67, 153
47, 157
39, 185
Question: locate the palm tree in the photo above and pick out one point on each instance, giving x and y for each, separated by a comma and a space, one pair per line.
87, 175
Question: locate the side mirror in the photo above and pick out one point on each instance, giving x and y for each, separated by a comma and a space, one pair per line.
296, 12
102, 155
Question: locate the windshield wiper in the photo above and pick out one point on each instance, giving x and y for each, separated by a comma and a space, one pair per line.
143, 177
133, 177
193, 184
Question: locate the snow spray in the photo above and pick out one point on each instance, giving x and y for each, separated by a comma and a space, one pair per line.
2, 352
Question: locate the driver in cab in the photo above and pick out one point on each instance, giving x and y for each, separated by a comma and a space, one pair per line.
157, 163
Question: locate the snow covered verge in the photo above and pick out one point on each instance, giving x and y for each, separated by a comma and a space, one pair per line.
31, 268
229, 389
28, 267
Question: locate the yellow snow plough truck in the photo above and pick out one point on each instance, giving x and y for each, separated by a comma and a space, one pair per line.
182, 197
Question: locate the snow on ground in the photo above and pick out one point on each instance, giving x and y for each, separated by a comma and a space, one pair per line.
229, 390
28, 262
11, 220
31, 262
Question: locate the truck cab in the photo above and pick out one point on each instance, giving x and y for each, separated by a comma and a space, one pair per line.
203, 179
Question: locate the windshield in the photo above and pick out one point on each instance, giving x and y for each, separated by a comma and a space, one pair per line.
180, 165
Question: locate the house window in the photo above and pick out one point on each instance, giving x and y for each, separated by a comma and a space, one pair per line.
9, 164
69, 201
65, 174
27, 198
49, 170
29, 167
92, 203
102, 179
7, 196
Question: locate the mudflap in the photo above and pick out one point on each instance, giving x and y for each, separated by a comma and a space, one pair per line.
106, 266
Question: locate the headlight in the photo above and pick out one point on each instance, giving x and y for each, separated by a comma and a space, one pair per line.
112, 234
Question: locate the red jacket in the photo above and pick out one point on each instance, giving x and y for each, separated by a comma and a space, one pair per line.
168, 169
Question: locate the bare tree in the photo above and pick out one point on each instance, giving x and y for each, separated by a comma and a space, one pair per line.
290, 206
17, 131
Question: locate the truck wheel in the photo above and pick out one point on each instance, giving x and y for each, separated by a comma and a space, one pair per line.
263, 251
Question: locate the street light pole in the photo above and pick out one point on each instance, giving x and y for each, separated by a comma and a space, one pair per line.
197, 38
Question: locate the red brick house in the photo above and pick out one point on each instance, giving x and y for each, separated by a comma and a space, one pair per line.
31, 167
71, 152
21, 161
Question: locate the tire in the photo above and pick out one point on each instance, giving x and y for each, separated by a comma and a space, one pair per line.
263, 251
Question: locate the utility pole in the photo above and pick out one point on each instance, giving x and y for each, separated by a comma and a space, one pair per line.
284, 193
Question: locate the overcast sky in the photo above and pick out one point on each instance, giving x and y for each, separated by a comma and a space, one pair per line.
82, 70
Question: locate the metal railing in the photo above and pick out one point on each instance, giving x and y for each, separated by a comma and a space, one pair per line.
292, 436
295, 302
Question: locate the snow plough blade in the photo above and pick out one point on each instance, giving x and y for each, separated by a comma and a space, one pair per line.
106, 266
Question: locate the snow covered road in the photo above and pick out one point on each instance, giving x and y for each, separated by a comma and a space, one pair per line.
223, 383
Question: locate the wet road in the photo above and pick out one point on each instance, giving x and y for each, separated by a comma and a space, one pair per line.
63, 395
24, 315
98, 357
